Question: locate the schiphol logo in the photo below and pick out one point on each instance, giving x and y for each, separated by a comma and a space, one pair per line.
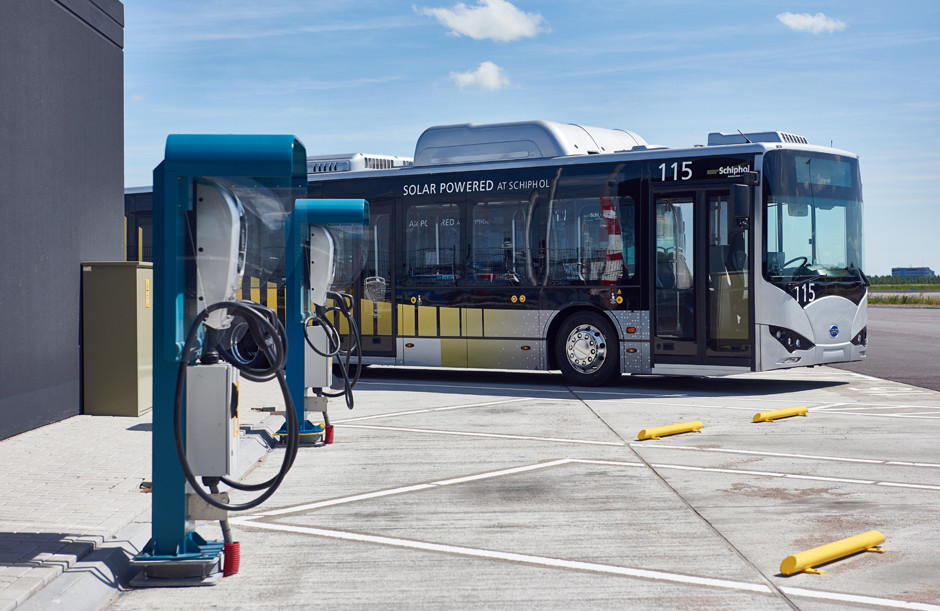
834, 331
731, 170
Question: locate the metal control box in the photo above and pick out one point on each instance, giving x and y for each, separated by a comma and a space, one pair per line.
318, 370
212, 419
117, 338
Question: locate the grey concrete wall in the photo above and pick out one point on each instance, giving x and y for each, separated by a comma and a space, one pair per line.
61, 192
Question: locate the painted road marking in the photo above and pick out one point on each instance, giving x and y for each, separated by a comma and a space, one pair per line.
856, 598
251, 521
871, 461
438, 409
566, 461
576, 565
417, 487
934, 416
513, 557
644, 445
765, 474
401, 429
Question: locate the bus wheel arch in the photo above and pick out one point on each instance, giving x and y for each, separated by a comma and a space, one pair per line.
585, 346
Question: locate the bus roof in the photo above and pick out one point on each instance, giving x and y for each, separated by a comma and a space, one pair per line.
475, 143
470, 143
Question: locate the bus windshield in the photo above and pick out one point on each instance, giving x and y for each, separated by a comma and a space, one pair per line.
812, 217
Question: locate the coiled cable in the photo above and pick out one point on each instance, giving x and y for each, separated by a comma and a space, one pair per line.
334, 343
271, 339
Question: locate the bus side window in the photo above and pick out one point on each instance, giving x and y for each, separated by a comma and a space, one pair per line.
497, 247
628, 235
586, 242
432, 235
562, 253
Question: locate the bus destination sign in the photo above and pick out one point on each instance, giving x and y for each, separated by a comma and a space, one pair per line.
704, 168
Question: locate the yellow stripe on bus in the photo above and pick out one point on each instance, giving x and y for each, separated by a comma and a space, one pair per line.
367, 318
272, 296
450, 322
406, 320
472, 322
427, 321
385, 318
453, 352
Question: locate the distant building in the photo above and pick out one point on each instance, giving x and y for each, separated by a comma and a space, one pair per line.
912, 272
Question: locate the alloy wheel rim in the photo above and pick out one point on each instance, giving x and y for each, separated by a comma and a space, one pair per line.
586, 348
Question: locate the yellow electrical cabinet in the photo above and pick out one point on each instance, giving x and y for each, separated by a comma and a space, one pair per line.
117, 338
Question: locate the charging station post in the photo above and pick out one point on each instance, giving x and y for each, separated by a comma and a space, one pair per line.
176, 554
307, 283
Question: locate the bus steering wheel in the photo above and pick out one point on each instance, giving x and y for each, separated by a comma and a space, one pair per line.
805, 261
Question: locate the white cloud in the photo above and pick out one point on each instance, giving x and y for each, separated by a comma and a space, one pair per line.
138, 97
496, 19
817, 24
488, 76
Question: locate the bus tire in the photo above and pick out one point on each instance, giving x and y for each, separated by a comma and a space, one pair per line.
587, 349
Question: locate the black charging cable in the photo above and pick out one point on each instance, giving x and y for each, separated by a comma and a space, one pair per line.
271, 338
334, 342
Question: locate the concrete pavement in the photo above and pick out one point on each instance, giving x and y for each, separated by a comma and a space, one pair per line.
74, 504
491, 490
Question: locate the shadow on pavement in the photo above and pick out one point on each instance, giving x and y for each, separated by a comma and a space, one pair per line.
550, 384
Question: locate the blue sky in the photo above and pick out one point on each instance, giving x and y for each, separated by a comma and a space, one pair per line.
371, 75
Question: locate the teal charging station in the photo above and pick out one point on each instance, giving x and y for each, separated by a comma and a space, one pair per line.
176, 553
223, 204
308, 213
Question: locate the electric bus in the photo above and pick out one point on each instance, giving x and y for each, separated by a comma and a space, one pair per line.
544, 246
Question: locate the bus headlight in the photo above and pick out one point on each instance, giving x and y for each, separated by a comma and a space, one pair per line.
791, 340
862, 338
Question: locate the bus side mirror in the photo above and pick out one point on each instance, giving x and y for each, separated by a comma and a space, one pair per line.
741, 204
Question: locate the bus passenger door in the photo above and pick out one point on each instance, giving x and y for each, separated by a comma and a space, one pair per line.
377, 284
701, 284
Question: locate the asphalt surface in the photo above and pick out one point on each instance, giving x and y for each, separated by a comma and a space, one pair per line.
903, 346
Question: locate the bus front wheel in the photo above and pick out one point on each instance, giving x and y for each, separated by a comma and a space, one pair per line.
587, 350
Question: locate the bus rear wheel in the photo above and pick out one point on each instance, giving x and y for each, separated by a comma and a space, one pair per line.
587, 349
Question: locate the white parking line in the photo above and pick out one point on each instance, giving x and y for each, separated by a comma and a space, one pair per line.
436, 409
934, 416
870, 461
684, 467
593, 567
855, 598
828, 406
401, 429
413, 488
861, 407
818, 478
556, 463
912, 464
918, 486
515, 557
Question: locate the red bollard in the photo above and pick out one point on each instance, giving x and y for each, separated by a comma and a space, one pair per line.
233, 557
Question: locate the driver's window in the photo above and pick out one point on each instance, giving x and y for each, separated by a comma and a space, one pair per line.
788, 248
